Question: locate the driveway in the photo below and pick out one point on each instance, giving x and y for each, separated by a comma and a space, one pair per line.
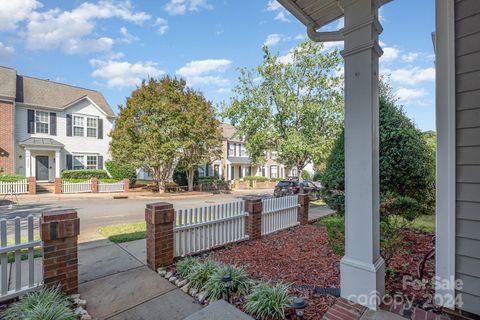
95, 213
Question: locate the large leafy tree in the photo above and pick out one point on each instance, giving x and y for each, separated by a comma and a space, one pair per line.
200, 134
292, 105
146, 133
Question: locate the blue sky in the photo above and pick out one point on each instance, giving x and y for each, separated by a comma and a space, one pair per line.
111, 45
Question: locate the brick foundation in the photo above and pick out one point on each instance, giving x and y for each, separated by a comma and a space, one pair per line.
58, 186
159, 218
32, 185
6, 137
303, 201
59, 232
253, 225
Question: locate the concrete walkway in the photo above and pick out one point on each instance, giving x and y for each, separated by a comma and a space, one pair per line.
118, 285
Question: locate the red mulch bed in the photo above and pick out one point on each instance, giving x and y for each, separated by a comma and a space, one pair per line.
301, 256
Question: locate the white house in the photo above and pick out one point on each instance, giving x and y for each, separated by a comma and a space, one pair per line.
47, 127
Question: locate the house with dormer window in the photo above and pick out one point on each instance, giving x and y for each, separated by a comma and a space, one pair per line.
46, 127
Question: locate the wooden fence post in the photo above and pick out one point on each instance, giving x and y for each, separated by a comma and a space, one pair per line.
253, 225
160, 218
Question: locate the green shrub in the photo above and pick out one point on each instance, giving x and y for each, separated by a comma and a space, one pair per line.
305, 175
84, 174
7, 177
407, 165
268, 301
335, 226
180, 176
46, 304
201, 272
120, 171
215, 287
276, 179
185, 265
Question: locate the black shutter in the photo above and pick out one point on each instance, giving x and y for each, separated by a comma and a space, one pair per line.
100, 129
53, 124
206, 170
31, 121
69, 162
100, 162
69, 125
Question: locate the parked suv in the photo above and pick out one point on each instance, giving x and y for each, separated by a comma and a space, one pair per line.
289, 187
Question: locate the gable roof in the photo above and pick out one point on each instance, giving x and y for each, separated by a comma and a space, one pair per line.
33, 91
228, 131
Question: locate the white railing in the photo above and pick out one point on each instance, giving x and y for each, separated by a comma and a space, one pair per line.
202, 229
279, 213
111, 186
14, 187
76, 187
12, 283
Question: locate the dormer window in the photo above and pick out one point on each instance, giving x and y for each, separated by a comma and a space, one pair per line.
41, 122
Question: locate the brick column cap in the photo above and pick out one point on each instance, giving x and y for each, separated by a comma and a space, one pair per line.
303, 199
59, 215
159, 213
159, 206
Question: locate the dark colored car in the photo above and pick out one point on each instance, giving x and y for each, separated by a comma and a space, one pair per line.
289, 187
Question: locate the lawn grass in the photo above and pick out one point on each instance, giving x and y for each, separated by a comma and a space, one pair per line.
425, 223
119, 233
37, 251
318, 202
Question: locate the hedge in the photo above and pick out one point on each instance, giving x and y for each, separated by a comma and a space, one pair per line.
120, 171
7, 177
84, 174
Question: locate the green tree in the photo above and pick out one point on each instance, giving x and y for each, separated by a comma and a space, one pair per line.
294, 107
146, 133
199, 133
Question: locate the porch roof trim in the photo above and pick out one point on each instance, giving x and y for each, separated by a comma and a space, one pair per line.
41, 142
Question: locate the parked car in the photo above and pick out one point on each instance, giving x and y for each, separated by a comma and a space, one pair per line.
290, 187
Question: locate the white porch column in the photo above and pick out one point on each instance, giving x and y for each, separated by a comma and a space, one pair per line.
229, 172
57, 164
362, 274
28, 163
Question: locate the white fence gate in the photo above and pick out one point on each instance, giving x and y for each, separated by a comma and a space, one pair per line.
14, 187
111, 186
279, 213
11, 284
201, 229
76, 187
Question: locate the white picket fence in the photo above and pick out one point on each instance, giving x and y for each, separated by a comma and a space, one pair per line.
14, 187
14, 287
111, 187
279, 213
76, 187
202, 229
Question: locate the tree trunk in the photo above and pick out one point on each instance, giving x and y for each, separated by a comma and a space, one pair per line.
190, 174
161, 186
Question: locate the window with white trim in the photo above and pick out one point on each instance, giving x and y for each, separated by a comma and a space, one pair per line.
92, 162
78, 162
85, 161
41, 122
273, 171
92, 127
78, 126
231, 149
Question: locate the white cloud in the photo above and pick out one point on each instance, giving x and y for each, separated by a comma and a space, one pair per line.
300, 36
14, 11
205, 72
273, 5
411, 76
127, 37
390, 54
408, 95
410, 57
162, 25
56, 28
281, 16
273, 39
331, 45
123, 73
179, 7
79, 46
6, 52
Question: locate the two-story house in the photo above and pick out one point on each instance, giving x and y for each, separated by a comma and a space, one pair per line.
46, 127
235, 163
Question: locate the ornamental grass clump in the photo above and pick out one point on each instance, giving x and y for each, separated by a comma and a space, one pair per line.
201, 272
268, 301
184, 266
240, 284
46, 304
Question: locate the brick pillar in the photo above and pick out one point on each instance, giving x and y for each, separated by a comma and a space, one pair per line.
126, 185
7, 149
58, 185
94, 184
59, 231
253, 206
32, 185
303, 201
160, 218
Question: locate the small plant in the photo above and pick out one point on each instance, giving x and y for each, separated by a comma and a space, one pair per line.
7, 177
84, 174
268, 301
215, 287
46, 304
184, 266
335, 226
201, 272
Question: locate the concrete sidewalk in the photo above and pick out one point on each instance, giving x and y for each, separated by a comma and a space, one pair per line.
118, 285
